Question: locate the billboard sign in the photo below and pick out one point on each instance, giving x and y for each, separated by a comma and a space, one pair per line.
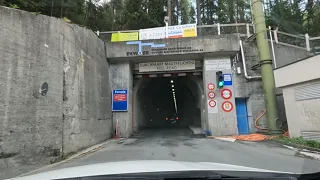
178, 31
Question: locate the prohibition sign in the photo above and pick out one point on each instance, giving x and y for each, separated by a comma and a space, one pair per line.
227, 106
211, 95
211, 86
226, 94
212, 103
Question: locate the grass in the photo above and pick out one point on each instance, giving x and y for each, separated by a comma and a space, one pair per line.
300, 141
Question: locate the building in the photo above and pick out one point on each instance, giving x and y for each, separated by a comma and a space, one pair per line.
300, 83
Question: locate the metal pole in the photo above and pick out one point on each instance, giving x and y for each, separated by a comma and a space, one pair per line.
266, 66
307, 42
166, 30
169, 12
272, 48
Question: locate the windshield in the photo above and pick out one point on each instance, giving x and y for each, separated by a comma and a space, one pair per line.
232, 84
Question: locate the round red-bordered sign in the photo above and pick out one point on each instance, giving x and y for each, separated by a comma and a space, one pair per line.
211, 86
211, 95
227, 106
212, 103
226, 93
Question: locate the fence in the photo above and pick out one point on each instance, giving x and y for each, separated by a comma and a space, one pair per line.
246, 30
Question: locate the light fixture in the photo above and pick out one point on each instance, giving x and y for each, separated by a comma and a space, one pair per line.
172, 89
171, 81
172, 85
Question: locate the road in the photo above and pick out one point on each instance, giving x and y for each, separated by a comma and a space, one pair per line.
179, 145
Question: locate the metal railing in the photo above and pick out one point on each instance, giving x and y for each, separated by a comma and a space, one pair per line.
301, 41
244, 30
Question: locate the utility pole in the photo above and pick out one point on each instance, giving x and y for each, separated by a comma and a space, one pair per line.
266, 66
169, 12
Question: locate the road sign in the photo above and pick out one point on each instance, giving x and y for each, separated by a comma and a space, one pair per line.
226, 94
227, 78
211, 95
212, 103
211, 86
227, 106
212, 106
120, 100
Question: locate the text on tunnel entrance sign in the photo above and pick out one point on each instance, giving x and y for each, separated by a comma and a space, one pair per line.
167, 66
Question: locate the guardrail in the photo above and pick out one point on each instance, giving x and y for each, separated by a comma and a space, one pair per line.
244, 30
301, 41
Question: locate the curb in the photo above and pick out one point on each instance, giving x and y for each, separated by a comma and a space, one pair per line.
79, 154
298, 146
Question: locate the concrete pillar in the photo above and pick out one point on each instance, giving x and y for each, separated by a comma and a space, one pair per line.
121, 78
219, 122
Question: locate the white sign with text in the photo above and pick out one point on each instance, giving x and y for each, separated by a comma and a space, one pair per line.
218, 64
167, 66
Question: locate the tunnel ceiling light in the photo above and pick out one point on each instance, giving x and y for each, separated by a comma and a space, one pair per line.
171, 81
172, 89
172, 85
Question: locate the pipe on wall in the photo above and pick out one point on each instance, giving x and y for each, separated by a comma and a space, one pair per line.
245, 66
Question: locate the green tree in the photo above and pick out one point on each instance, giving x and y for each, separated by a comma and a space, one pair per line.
185, 11
192, 14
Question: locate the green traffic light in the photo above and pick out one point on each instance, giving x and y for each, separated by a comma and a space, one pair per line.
221, 83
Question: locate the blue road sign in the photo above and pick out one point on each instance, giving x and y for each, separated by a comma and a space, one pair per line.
120, 100
227, 78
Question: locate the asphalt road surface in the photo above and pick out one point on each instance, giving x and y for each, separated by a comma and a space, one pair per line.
180, 145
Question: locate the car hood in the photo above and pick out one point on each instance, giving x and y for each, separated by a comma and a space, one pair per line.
125, 167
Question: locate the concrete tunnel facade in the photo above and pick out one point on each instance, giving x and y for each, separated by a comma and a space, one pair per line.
149, 100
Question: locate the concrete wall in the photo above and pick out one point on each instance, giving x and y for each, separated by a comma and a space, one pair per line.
253, 90
121, 78
219, 122
286, 54
207, 44
35, 128
87, 93
303, 115
301, 71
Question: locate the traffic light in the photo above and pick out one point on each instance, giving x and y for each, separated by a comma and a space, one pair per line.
220, 82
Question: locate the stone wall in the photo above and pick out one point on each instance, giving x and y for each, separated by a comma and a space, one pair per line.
36, 127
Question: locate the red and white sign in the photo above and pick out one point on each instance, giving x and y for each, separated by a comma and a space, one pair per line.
211, 86
226, 94
212, 103
119, 97
211, 95
227, 106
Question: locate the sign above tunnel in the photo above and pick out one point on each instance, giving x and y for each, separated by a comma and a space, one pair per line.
150, 48
120, 100
167, 66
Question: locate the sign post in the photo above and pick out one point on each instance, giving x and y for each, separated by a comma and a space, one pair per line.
120, 100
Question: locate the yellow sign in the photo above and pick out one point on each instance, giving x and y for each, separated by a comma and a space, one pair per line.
118, 37
189, 32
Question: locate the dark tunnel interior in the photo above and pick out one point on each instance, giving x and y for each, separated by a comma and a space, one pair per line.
155, 98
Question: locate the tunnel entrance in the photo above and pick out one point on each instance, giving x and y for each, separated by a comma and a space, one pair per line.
167, 102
